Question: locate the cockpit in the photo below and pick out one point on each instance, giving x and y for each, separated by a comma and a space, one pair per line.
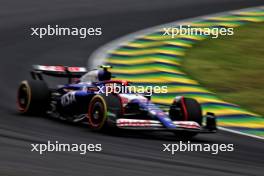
97, 75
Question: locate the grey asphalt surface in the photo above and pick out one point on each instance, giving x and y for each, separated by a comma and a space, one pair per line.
123, 153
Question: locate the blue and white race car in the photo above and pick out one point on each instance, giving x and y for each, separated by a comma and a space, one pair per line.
83, 99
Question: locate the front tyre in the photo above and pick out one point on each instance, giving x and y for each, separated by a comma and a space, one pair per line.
193, 110
97, 113
33, 97
186, 109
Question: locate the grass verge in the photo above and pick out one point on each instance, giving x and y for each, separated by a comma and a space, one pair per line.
232, 67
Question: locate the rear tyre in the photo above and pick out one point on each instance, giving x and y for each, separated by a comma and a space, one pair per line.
33, 97
97, 113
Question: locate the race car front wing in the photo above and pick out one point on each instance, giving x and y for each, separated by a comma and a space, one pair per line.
139, 124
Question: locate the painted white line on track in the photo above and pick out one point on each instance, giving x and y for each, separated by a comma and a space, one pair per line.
240, 133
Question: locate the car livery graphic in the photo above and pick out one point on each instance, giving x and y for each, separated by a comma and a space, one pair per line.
81, 101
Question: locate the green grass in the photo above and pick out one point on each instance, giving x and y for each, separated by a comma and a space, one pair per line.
232, 67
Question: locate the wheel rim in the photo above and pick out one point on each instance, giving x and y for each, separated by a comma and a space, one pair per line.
23, 97
96, 115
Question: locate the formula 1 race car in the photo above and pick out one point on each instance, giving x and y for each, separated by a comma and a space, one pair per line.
83, 99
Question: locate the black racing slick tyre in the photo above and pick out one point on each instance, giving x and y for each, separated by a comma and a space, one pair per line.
97, 113
194, 110
186, 109
33, 97
190, 110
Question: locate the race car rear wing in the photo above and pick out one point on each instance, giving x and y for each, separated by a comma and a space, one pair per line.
57, 71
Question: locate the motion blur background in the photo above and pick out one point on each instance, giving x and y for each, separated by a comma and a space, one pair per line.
123, 154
